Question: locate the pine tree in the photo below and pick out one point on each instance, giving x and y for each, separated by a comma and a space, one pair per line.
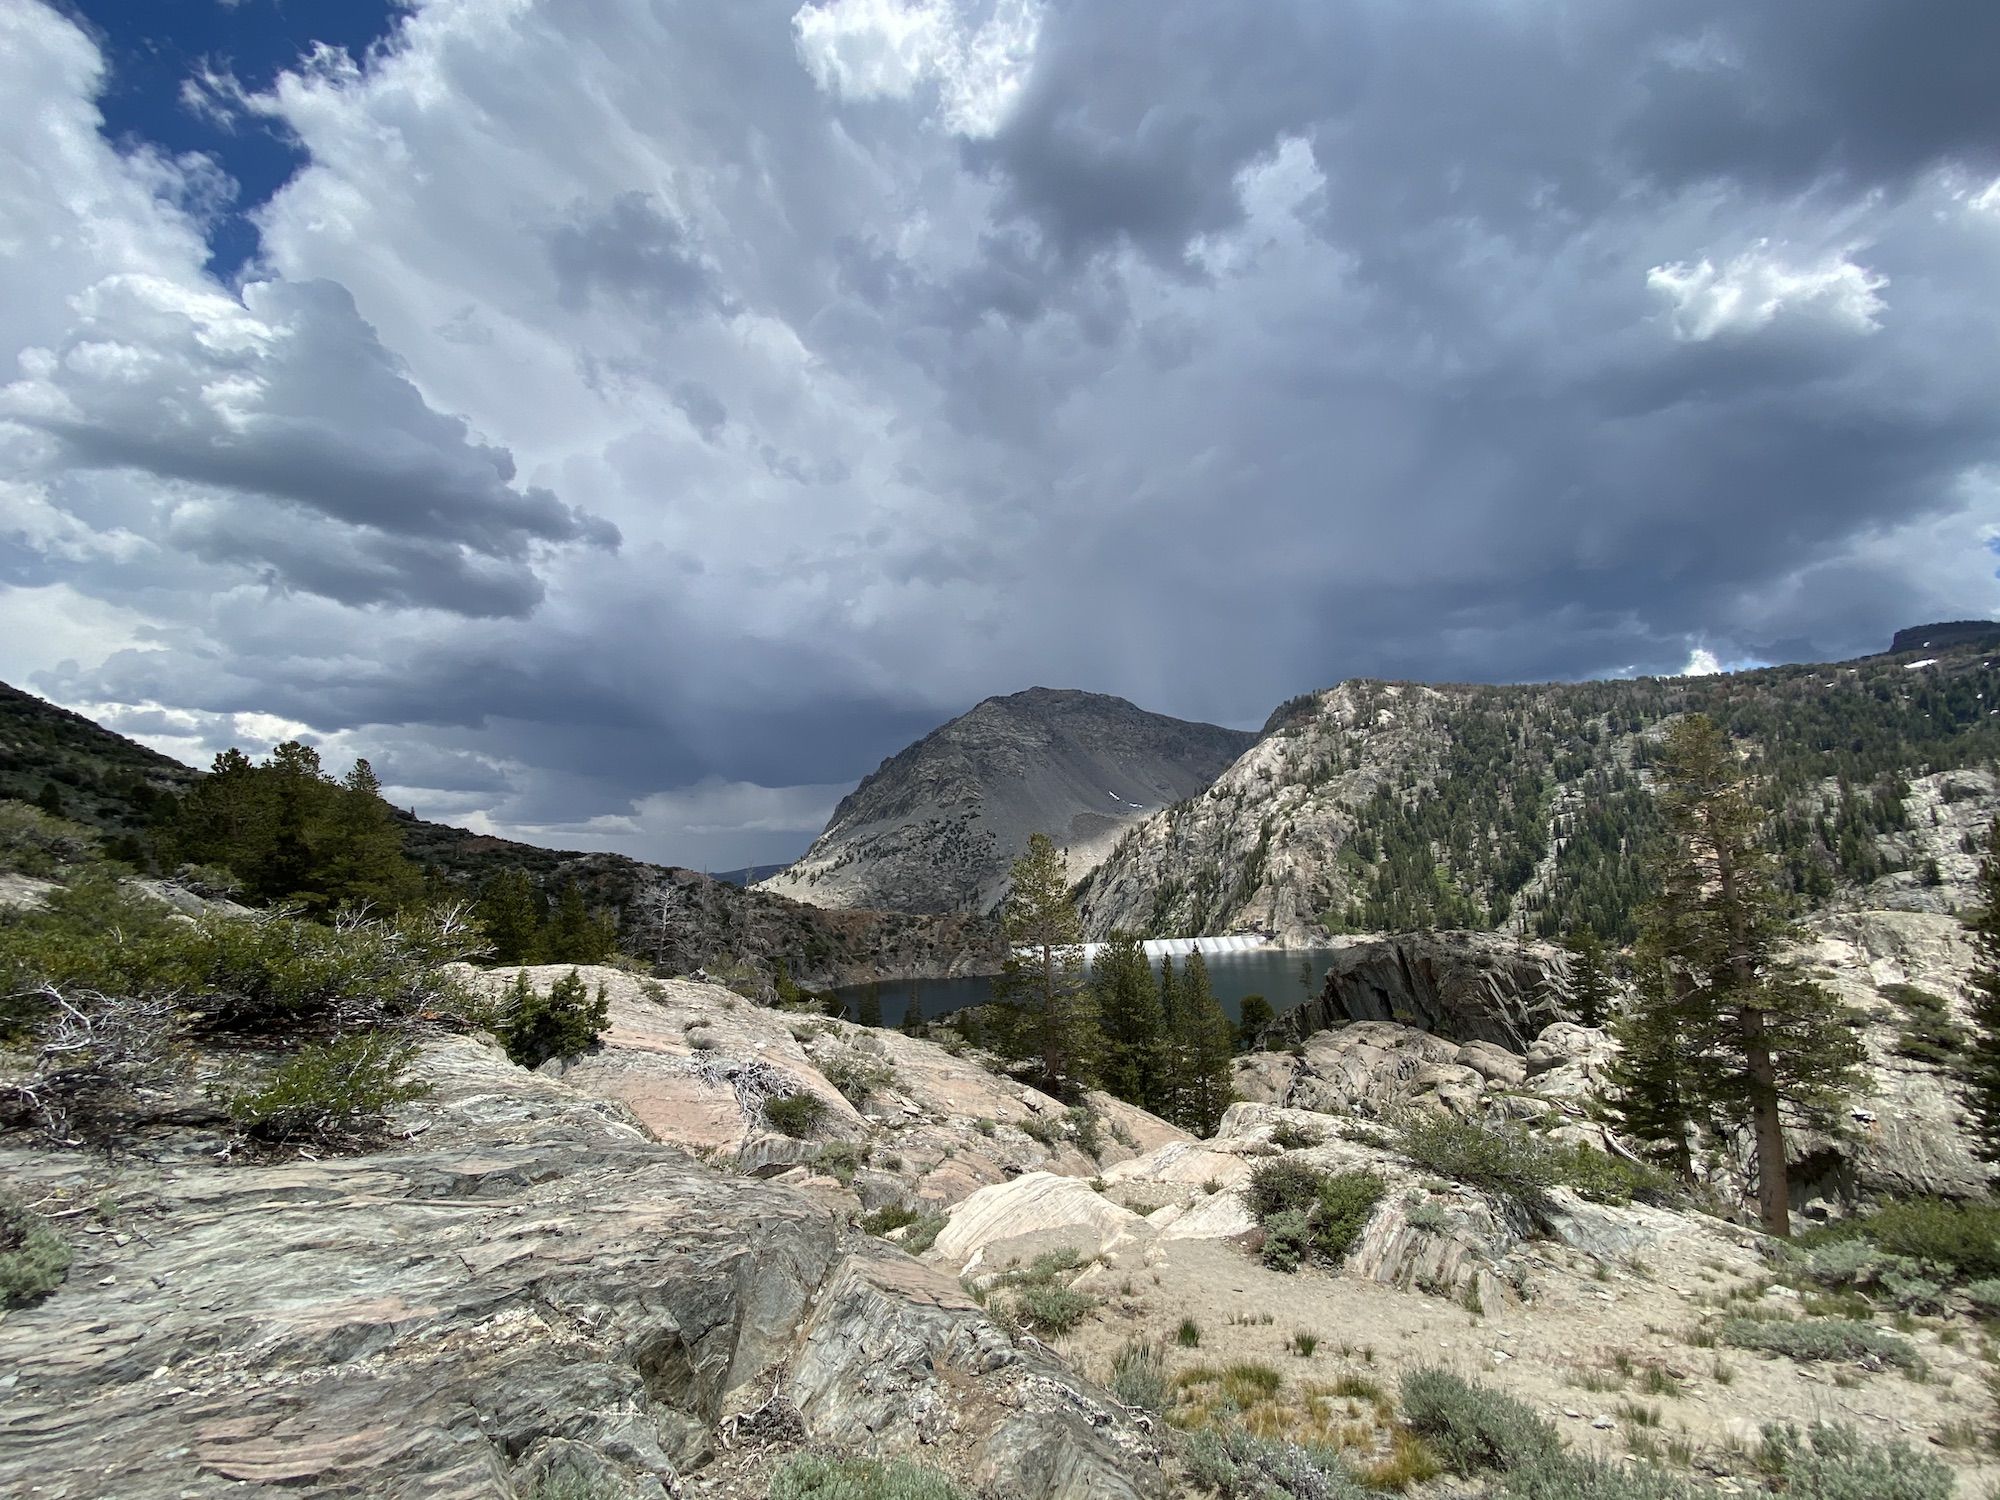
575, 934
1128, 1015
1979, 1071
359, 848
1253, 1014
1206, 1043
1646, 1091
1589, 979
510, 909
868, 1009
1171, 1087
1759, 1038
1042, 993
913, 1013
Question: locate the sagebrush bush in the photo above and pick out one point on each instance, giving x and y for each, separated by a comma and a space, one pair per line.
564, 1023
1501, 1160
1238, 1465
1836, 1463
1814, 1339
811, 1477
1472, 1428
1287, 1240
1345, 1203
1052, 1309
34, 1258
796, 1114
1985, 1297
330, 1092
1307, 1214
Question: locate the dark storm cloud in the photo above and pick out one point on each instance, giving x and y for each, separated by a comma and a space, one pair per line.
1200, 352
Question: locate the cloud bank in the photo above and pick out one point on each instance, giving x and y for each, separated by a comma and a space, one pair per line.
641, 419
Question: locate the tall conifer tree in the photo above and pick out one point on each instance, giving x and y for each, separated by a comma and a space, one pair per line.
1760, 1039
1042, 989
1128, 1015
1206, 1043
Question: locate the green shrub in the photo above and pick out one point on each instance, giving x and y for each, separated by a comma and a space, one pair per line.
1472, 1428
1287, 1240
1188, 1335
1345, 1204
330, 1092
1603, 1178
811, 1477
1985, 1297
1139, 1376
1836, 1463
33, 1257
1236, 1464
1290, 1137
1812, 1339
840, 1160
564, 1023
1961, 1240
857, 1074
1279, 1186
1307, 1214
795, 1114
923, 1233
33, 842
889, 1216
1501, 1160
1052, 1309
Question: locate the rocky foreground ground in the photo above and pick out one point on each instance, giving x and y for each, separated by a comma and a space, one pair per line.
615, 1278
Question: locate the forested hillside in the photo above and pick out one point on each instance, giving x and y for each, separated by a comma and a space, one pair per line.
1379, 805
288, 830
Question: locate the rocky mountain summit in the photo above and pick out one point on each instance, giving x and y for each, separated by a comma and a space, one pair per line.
936, 826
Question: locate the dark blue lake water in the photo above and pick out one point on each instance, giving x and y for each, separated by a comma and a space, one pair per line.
1274, 973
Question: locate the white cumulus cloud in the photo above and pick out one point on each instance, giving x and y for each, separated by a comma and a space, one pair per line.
1758, 286
876, 49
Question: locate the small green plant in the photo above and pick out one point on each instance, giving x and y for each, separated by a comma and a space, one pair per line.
840, 1160
1304, 1343
857, 1074
1288, 1136
923, 1232
564, 1023
33, 1257
889, 1216
797, 1114
810, 1476
1139, 1376
330, 1092
1309, 1215
1188, 1335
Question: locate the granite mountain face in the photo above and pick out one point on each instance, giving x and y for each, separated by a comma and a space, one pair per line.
1378, 806
936, 827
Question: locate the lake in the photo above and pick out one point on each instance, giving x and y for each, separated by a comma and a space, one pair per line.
1270, 972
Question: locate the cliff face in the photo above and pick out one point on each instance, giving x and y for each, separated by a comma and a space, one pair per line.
935, 828
1379, 806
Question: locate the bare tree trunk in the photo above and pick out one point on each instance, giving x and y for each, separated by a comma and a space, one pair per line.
1773, 1189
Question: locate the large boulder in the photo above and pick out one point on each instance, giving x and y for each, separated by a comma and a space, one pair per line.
1464, 986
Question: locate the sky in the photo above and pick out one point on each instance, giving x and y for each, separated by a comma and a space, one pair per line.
627, 423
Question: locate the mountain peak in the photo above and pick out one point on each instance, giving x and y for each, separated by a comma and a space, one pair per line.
935, 827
